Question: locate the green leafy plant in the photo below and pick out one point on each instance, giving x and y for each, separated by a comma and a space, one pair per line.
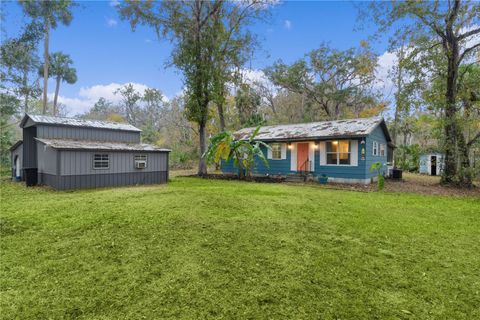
224, 146
377, 166
408, 157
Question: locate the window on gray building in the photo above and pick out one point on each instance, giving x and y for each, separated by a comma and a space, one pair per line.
100, 161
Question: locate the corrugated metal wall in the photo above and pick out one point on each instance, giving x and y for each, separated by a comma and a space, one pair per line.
47, 159
105, 180
64, 132
29, 148
81, 162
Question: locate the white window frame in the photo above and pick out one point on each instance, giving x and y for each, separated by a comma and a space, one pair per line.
382, 150
375, 148
282, 149
338, 154
274, 151
104, 158
140, 157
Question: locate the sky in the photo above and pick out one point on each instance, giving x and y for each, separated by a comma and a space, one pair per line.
107, 54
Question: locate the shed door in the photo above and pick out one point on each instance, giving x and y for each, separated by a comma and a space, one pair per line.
17, 166
433, 165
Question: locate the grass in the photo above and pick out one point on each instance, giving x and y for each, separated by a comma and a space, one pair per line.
197, 249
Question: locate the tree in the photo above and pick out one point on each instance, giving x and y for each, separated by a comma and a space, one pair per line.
199, 33
104, 110
130, 99
8, 107
61, 70
443, 35
247, 102
19, 63
50, 13
235, 45
224, 146
152, 114
332, 79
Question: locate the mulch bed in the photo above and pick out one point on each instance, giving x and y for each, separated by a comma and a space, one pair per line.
412, 183
264, 179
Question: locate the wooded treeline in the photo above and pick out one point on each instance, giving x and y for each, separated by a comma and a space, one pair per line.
435, 81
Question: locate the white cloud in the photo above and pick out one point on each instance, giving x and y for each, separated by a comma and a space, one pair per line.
87, 96
114, 3
148, 40
73, 105
108, 91
287, 24
111, 23
385, 63
251, 76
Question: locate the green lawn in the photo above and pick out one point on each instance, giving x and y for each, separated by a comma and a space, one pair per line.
201, 249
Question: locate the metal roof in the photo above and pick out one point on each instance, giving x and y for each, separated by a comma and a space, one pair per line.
316, 130
68, 144
42, 119
16, 145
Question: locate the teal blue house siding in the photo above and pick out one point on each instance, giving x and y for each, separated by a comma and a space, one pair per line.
275, 167
342, 171
379, 136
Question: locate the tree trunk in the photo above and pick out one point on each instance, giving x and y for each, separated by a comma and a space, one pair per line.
202, 164
45, 66
465, 174
398, 106
451, 130
57, 89
221, 116
26, 91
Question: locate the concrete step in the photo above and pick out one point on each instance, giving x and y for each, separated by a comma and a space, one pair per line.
295, 178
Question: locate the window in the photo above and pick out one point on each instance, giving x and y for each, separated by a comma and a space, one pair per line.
338, 152
375, 148
100, 161
276, 151
140, 161
382, 150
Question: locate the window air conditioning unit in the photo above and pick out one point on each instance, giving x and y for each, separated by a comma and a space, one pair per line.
140, 164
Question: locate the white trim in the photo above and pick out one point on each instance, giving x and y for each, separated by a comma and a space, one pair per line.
293, 157
17, 167
323, 154
354, 153
375, 148
284, 151
108, 161
429, 165
311, 155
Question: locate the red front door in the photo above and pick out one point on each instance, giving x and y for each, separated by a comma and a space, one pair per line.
302, 156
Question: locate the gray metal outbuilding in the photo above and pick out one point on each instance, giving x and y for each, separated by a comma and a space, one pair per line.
69, 153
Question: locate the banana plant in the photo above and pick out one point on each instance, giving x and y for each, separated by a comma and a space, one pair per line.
378, 167
224, 146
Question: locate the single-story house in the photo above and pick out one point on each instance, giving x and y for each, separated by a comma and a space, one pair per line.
68, 153
343, 150
432, 163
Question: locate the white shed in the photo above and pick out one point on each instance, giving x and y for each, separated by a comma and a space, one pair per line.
432, 163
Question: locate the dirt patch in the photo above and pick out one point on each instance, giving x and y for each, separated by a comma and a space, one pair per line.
412, 183
423, 184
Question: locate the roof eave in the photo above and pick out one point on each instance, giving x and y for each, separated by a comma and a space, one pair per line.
294, 139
